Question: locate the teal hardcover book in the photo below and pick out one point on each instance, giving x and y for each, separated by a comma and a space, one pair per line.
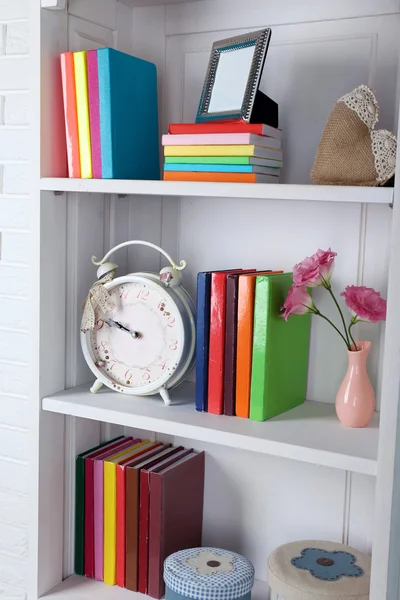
280, 351
128, 116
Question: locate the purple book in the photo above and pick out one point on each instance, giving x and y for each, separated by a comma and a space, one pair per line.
94, 112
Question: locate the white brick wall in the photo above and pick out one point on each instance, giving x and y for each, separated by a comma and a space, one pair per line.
14, 277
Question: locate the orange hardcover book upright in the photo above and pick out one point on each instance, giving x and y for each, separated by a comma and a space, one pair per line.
70, 113
122, 509
244, 348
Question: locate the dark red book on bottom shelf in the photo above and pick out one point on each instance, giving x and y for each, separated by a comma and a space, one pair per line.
176, 514
132, 514
144, 514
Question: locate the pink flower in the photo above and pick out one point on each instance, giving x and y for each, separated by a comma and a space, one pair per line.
298, 302
315, 270
365, 303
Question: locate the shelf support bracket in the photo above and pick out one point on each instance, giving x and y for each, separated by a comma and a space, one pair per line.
53, 4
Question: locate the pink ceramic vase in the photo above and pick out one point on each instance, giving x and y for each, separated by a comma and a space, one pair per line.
355, 400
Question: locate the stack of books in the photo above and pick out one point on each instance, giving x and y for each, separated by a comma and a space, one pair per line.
233, 152
137, 501
111, 115
249, 361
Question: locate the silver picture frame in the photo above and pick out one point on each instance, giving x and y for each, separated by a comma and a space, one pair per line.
257, 39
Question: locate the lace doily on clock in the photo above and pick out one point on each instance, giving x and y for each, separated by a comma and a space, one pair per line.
363, 101
384, 149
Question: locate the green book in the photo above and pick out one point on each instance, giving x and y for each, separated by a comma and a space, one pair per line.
80, 505
280, 351
223, 160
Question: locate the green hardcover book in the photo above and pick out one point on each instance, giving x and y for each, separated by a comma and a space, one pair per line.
223, 160
280, 351
80, 505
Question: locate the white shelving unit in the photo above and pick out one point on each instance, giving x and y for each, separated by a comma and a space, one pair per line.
300, 475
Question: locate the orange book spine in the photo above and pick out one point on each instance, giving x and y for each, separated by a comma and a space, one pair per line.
121, 519
214, 177
70, 113
244, 341
244, 345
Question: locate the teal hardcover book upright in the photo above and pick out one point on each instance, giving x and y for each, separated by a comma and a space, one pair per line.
128, 116
280, 351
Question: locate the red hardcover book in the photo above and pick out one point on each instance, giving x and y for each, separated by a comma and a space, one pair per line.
224, 127
89, 502
121, 510
176, 514
216, 352
144, 515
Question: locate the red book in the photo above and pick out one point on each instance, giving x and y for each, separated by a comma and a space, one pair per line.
224, 127
121, 510
89, 501
216, 352
144, 514
70, 114
176, 514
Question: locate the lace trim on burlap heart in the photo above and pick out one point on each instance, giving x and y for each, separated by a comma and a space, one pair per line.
384, 149
363, 101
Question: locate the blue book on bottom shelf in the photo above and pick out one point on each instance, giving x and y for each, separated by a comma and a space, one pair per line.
202, 339
128, 116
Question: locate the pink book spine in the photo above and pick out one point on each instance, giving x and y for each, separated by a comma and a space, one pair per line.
98, 520
94, 112
209, 139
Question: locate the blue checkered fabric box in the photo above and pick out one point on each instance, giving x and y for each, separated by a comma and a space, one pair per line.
208, 574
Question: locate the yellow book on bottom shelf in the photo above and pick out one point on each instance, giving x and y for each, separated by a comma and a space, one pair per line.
110, 510
82, 105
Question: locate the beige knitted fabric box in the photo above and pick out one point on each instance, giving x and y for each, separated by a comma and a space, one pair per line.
316, 570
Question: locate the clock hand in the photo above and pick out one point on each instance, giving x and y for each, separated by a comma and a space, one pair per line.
111, 323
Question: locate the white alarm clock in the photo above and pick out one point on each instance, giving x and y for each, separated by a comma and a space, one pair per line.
138, 331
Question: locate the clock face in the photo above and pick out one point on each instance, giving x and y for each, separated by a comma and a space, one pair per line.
140, 343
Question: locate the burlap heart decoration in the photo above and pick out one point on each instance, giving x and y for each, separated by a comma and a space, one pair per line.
351, 151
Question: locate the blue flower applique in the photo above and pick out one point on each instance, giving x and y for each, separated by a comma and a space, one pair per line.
328, 566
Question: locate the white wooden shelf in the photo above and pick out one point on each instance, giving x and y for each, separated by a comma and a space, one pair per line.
136, 3
309, 433
322, 193
82, 588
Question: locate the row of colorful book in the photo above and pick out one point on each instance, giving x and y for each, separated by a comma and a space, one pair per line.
111, 115
137, 501
249, 361
220, 151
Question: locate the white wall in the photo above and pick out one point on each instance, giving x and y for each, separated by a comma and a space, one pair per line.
14, 326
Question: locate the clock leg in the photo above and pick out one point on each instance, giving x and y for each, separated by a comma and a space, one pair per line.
96, 386
165, 396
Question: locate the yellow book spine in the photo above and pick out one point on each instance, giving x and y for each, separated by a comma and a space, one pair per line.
82, 103
110, 513
234, 150
110, 522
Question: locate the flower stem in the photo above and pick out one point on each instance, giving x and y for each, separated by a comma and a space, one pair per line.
329, 288
352, 339
334, 327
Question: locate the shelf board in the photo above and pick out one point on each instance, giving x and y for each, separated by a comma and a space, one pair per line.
272, 191
82, 588
136, 3
310, 433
